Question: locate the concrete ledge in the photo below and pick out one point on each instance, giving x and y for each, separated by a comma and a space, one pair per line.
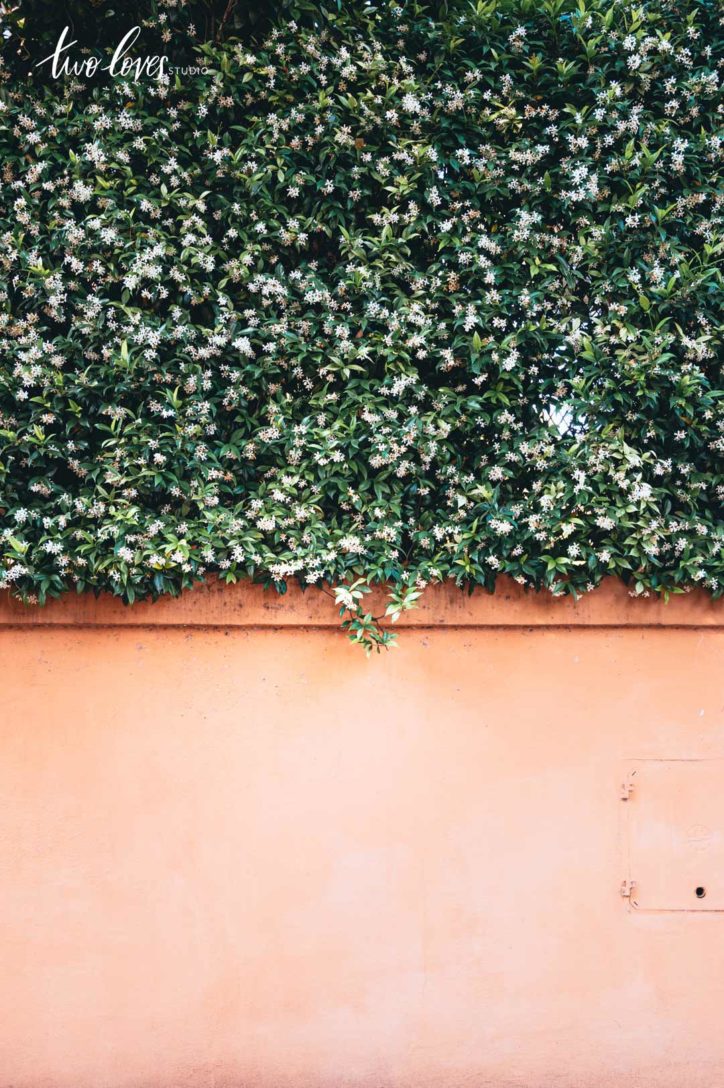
215, 604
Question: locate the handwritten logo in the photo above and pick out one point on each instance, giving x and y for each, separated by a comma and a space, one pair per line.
121, 63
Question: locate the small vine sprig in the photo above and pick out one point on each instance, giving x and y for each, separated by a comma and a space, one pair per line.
365, 628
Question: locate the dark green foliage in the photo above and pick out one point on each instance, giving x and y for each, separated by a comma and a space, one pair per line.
396, 296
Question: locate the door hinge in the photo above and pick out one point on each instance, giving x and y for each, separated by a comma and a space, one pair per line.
627, 786
627, 888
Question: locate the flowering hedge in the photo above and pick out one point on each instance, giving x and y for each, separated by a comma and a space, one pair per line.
385, 297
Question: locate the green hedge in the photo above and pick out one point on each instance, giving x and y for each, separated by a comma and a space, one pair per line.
389, 296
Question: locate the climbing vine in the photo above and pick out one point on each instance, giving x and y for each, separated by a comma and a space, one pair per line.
384, 296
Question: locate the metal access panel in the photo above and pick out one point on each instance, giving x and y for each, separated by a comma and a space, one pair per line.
675, 830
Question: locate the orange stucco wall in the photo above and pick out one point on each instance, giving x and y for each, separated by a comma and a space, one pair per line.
235, 852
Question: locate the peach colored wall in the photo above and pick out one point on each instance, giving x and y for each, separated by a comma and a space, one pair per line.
235, 852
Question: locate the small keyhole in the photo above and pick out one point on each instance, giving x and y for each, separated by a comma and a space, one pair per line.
700, 892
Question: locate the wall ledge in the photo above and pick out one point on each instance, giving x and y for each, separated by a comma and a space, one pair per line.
214, 604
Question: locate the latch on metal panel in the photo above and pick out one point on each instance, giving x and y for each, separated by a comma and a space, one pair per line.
627, 888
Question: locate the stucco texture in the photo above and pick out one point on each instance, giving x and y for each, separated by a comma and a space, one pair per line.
236, 852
